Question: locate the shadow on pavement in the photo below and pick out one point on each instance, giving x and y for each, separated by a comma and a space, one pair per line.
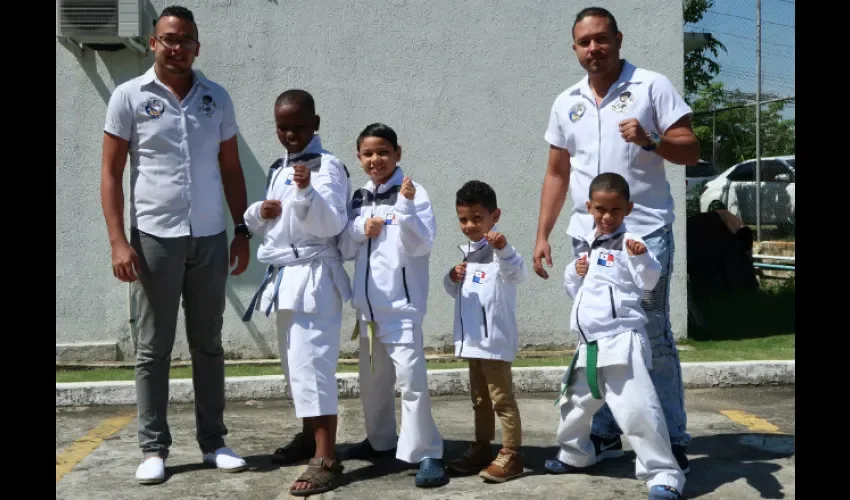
727, 458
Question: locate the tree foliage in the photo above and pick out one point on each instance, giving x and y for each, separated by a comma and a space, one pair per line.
735, 127
700, 67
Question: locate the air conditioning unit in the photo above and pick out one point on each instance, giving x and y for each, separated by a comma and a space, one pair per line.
100, 24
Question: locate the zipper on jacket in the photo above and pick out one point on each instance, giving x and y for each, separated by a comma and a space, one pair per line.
366, 281
404, 281
294, 250
369, 264
484, 316
460, 305
578, 323
613, 309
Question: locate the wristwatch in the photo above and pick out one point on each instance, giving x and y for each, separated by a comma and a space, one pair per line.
655, 140
243, 229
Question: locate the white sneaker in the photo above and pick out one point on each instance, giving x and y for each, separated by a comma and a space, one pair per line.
226, 460
151, 471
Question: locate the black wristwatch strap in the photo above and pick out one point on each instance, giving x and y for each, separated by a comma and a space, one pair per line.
243, 229
655, 141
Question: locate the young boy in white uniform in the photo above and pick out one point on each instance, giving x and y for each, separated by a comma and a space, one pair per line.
613, 359
390, 236
484, 286
305, 283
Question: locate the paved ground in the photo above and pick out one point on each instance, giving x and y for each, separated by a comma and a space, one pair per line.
743, 448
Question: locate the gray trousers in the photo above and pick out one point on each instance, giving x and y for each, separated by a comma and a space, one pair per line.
197, 269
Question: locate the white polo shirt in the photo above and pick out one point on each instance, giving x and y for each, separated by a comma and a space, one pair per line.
591, 135
175, 182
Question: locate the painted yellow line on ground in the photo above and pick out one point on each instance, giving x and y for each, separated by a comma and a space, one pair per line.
750, 421
80, 449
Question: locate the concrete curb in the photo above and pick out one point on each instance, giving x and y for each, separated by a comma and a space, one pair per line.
440, 382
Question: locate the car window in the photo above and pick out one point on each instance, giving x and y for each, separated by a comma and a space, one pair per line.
791, 162
771, 168
702, 169
744, 172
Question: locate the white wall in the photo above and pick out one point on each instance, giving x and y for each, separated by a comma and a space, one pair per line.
467, 86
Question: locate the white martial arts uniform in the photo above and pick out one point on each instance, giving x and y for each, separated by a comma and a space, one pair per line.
390, 291
607, 310
485, 325
305, 282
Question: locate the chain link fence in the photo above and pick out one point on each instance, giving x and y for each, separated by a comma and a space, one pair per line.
748, 151
740, 81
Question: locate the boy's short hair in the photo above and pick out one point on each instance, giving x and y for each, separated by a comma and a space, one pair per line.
378, 130
477, 193
610, 182
297, 97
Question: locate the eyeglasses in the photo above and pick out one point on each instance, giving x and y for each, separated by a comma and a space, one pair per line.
173, 43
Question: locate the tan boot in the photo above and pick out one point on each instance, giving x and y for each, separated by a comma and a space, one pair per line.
507, 465
476, 458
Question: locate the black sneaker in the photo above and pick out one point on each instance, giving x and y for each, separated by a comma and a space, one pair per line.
364, 451
680, 453
607, 448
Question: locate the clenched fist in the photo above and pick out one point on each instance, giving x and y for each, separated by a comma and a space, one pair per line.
270, 209
635, 247
302, 176
373, 226
632, 131
496, 240
408, 190
458, 273
581, 266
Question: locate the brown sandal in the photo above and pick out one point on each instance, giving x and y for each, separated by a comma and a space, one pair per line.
322, 474
302, 447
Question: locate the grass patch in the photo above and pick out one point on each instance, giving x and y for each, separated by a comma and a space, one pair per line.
772, 347
767, 312
739, 327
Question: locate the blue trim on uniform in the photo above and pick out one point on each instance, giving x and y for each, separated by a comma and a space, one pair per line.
263, 284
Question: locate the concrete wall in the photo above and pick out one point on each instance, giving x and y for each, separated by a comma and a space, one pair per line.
467, 86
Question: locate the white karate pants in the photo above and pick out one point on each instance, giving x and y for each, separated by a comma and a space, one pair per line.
309, 353
404, 363
631, 396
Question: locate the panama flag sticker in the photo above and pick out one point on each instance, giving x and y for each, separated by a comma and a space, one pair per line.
478, 277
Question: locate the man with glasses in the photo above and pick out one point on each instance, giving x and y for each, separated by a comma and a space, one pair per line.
179, 130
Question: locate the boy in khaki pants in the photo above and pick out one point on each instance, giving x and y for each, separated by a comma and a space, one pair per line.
484, 286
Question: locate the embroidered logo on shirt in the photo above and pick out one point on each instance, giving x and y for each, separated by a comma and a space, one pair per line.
623, 102
479, 276
576, 112
154, 107
207, 106
391, 220
605, 259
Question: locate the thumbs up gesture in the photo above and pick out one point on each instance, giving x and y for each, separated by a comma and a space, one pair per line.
302, 176
581, 265
408, 190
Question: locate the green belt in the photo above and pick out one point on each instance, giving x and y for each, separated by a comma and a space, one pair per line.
371, 333
592, 381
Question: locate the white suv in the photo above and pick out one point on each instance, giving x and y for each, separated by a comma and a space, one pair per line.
736, 190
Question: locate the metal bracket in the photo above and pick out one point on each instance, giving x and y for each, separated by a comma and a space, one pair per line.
133, 45
74, 47
77, 48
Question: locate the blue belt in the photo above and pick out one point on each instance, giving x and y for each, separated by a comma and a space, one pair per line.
256, 299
